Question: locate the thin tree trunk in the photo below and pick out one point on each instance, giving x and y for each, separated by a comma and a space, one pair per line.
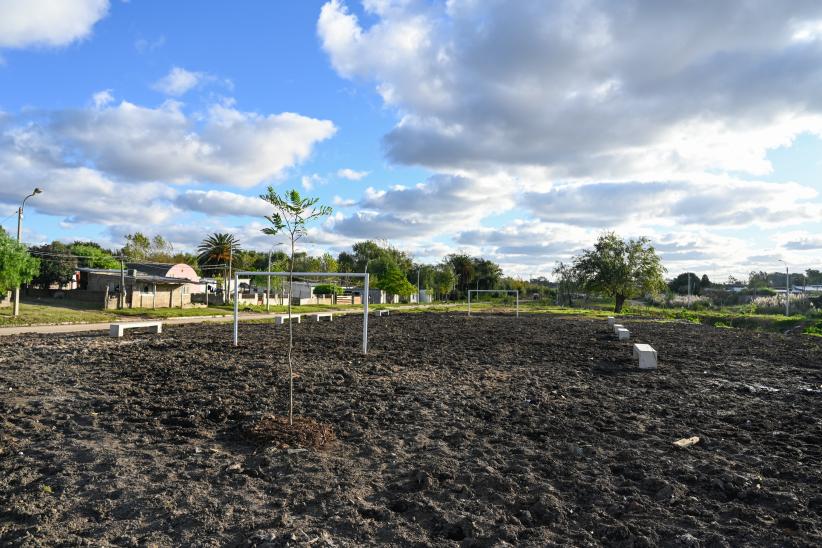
290, 339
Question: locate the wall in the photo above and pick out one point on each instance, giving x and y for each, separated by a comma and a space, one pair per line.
5, 300
165, 296
70, 294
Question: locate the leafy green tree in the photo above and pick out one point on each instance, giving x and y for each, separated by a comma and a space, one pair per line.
465, 270
91, 255
217, 250
140, 247
444, 279
328, 263
488, 273
394, 282
378, 258
17, 266
567, 283
679, 285
327, 289
291, 216
57, 264
813, 277
705, 282
620, 268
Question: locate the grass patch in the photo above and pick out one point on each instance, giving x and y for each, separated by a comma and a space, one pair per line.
33, 314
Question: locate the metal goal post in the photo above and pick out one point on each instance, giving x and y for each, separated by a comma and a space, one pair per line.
506, 291
365, 299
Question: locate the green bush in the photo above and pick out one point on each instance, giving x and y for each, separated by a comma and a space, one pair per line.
327, 289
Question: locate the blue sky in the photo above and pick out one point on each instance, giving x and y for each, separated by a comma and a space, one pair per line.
517, 132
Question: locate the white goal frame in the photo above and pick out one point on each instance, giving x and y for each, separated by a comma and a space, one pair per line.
506, 291
365, 298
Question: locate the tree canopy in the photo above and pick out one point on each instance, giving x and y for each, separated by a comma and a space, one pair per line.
394, 282
57, 264
91, 255
17, 266
620, 268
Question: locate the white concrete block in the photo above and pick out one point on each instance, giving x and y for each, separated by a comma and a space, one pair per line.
279, 320
611, 321
118, 329
646, 355
320, 315
617, 327
623, 334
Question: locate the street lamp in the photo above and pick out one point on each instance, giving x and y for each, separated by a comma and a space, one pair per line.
19, 237
787, 289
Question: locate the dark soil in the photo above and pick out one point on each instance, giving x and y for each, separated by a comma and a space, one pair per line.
481, 431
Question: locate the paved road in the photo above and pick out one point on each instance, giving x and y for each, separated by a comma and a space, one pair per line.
104, 326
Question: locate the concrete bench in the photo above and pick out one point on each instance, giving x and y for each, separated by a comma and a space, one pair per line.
646, 355
118, 329
279, 320
318, 315
382, 312
611, 321
623, 334
617, 327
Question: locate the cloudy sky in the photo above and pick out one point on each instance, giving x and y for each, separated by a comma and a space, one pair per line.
515, 130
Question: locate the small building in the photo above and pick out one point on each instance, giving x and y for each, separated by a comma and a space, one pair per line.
146, 285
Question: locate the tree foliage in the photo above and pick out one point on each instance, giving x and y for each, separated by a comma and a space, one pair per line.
622, 269
394, 282
679, 285
444, 279
140, 247
57, 264
91, 255
327, 289
17, 266
291, 217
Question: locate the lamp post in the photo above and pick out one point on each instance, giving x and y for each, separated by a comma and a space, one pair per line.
787, 289
19, 237
418, 285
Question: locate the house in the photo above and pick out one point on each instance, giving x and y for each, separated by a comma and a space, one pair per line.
147, 285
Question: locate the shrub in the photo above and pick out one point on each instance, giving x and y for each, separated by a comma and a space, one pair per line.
327, 289
776, 304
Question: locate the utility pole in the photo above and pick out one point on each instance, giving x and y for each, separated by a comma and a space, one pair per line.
689, 289
20, 237
268, 286
122, 298
787, 289
418, 285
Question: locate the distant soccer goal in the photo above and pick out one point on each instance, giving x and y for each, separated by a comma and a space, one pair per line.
506, 291
365, 299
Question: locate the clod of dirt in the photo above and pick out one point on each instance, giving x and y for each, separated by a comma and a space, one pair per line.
305, 432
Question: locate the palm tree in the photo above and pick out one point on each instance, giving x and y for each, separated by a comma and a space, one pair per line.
219, 249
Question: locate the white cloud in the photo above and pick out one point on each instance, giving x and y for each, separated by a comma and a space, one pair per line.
114, 165
26, 23
309, 181
442, 204
715, 201
351, 175
178, 81
222, 144
102, 98
343, 202
586, 89
219, 202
